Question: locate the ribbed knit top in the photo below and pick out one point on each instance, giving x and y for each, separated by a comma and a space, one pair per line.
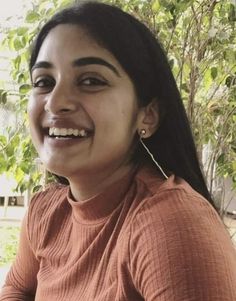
99, 207
143, 238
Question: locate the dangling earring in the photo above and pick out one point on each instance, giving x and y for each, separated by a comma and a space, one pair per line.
142, 133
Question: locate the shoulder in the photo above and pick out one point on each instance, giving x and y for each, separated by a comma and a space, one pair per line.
43, 200
45, 205
171, 195
173, 207
178, 242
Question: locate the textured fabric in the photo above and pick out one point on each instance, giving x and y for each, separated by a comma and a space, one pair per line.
144, 238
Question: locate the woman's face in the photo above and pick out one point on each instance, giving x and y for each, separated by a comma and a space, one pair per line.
83, 109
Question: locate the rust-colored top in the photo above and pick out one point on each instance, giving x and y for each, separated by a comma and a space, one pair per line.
144, 238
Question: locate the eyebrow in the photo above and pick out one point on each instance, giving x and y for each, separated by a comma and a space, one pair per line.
91, 60
41, 64
79, 62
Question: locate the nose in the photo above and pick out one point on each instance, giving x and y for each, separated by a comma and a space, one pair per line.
60, 100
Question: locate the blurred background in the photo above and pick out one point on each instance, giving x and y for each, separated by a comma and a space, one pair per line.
199, 38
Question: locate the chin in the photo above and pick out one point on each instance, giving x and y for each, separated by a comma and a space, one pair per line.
55, 165
65, 169
58, 170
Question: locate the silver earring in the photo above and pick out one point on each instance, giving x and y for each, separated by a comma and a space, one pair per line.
142, 134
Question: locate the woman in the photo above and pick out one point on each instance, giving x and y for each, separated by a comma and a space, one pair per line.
125, 225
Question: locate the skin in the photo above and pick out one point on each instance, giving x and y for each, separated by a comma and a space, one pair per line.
98, 97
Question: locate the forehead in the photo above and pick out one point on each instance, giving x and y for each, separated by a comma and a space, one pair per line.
68, 40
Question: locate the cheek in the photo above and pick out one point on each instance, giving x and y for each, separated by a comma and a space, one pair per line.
31, 108
34, 109
113, 115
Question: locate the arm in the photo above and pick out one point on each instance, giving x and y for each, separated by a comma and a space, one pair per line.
180, 251
21, 281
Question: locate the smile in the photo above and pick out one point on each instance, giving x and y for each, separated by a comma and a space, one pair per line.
55, 132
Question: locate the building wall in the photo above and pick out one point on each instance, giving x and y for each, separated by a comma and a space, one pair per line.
229, 196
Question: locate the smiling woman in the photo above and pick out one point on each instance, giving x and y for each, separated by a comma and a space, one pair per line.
84, 90
135, 219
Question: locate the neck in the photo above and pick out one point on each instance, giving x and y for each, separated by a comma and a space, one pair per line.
86, 186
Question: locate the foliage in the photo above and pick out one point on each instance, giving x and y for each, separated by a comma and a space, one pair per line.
17, 155
9, 237
199, 38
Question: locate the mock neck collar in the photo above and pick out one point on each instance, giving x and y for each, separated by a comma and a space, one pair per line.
99, 207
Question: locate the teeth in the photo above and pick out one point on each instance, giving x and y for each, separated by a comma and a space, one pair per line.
82, 133
63, 132
67, 132
57, 132
75, 132
70, 131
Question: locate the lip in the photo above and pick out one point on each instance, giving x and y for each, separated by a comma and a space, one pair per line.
63, 123
64, 141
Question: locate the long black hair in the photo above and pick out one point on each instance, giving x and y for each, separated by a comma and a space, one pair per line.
144, 60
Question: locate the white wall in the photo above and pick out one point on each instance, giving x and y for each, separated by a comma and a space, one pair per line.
229, 196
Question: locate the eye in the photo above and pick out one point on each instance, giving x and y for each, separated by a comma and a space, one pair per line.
43, 83
92, 83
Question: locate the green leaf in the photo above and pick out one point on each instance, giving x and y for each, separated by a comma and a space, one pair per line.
17, 44
185, 87
214, 72
3, 96
230, 81
171, 63
23, 188
232, 13
234, 165
23, 41
22, 31
24, 89
221, 159
10, 150
19, 174
25, 168
3, 164
164, 3
17, 62
155, 6
32, 17
36, 188
21, 77
183, 5
3, 140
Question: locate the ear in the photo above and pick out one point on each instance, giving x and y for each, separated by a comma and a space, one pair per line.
148, 118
